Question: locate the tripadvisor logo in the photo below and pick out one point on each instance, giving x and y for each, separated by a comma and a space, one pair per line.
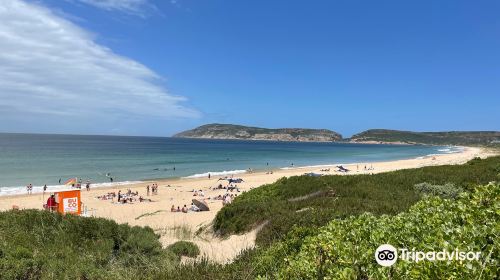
387, 255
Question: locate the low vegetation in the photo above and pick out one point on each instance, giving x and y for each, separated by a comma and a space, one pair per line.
345, 249
341, 196
41, 245
447, 190
184, 248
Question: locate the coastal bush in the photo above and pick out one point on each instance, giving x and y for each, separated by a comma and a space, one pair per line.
342, 196
447, 190
345, 248
184, 248
42, 245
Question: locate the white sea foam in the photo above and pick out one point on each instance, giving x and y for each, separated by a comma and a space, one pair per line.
448, 150
216, 173
5, 191
314, 166
451, 150
287, 168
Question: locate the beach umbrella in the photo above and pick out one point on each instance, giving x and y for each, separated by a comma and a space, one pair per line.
71, 181
202, 205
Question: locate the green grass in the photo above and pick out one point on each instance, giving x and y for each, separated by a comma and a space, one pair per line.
181, 232
184, 248
150, 214
42, 245
343, 196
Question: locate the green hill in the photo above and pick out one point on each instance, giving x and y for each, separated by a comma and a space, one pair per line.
434, 138
231, 131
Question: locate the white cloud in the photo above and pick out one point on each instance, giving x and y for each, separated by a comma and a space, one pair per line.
51, 68
128, 6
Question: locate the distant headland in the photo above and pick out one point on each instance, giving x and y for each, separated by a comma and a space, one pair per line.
431, 138
371, 136
240, 132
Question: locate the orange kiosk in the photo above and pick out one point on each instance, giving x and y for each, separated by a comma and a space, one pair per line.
68, 202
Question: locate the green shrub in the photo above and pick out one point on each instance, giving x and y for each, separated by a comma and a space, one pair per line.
184, 248
344, 249
447, 190
342, 196
43, 245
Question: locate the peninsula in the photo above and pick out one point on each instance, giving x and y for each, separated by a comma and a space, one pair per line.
240, 132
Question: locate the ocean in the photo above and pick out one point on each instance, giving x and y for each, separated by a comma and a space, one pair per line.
40, 159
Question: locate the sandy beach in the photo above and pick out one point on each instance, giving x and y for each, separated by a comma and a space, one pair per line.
179, 192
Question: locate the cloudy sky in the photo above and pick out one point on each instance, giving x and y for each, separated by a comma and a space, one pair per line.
55, 77
142, 67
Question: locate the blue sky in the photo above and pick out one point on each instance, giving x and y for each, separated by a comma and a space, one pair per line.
138, 67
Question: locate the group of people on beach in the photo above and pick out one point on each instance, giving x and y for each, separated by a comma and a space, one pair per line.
185, 209
365, 168
29, 188
153, 189
130, 197
133, 196
198, 193
107, 196
228, 198
230, 187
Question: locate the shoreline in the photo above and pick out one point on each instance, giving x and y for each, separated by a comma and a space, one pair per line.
37, 189
172, 226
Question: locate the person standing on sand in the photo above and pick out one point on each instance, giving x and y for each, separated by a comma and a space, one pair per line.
208, 175
51, 203
44, 187
87, 186
147, 190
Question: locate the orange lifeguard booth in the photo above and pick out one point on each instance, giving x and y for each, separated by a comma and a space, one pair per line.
68, 202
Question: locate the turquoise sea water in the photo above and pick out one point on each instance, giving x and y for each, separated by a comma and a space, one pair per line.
44, 159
